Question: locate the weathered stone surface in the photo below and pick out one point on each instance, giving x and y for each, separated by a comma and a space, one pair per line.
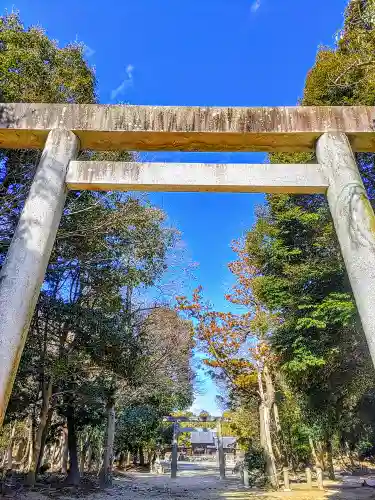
23, 271
152, 128
354, 222
188, 177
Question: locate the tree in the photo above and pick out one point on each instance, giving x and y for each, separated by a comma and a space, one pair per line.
319, 342
243, 423
138, 427
237, 349
87, 339
163, 384
33, 69
168, 344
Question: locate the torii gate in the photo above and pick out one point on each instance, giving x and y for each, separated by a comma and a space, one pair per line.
62, 129
195, 420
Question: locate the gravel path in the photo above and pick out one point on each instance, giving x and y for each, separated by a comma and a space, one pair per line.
208, 487
202, 483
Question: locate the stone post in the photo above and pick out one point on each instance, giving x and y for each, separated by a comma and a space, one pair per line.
174, 451
22, 274
319, 478
308, 478
286, 479
220, 449
246, 481
354, 222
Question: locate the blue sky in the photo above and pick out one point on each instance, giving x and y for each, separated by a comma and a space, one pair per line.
196, 52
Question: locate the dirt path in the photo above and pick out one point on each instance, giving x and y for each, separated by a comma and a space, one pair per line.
205, 485
146, 486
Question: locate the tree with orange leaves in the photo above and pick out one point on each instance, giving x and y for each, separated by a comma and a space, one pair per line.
236, 346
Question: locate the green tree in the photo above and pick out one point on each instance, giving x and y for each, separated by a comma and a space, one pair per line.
87, 339
33, 69
302, 278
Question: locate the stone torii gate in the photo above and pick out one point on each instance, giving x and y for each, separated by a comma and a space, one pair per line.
195, 420
333, 132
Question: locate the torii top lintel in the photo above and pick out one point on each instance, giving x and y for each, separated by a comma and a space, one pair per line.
160, 128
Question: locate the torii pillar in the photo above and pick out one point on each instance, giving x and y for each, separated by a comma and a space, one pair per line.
22, 273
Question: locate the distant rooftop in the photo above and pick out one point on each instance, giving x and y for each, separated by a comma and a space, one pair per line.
209, 438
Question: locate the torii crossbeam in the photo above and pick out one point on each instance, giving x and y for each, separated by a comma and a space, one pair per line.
178, 128
63, 129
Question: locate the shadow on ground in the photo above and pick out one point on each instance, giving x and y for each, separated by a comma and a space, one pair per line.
202, 483
333, 491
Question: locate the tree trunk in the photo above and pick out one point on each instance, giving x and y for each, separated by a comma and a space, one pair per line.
83, 455
141, 457
121, 460
349, 454
314, 454
279, 455
21, 448
64, 454
128, 458
9, 453
106, 472
82, 460
267, 401
73, 477
31, 444
89, 457
320, 453
277, 418
266, 443
84, 448
330, 468
135, 456
100, 456
271, 403
281, 448
47, 394
44, 437
52, 456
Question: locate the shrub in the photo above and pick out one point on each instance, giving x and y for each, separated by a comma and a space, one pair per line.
256, 465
